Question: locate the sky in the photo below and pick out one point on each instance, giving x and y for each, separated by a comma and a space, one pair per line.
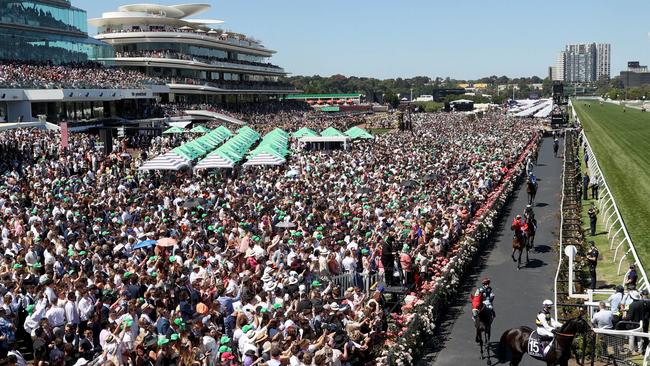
465, 39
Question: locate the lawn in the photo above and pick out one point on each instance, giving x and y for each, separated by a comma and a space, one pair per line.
621, 142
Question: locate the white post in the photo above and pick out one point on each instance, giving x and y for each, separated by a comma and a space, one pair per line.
570, 252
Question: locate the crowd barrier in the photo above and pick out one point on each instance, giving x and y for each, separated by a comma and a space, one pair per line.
366, 281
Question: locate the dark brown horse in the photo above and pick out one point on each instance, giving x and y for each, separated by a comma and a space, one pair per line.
514, 343
483, 324
519, 245
531, 228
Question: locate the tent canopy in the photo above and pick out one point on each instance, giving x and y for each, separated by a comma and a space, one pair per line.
331, 132
304, 132
200, 129
173, 130
358, 133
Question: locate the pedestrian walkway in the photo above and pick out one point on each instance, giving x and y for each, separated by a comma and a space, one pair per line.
519, 294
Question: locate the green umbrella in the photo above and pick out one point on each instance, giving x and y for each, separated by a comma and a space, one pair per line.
200, 129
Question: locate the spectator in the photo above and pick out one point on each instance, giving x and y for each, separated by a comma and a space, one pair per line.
592, 260
593, 217
630, 278
603, 319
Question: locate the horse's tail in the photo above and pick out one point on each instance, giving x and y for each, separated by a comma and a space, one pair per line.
501, 348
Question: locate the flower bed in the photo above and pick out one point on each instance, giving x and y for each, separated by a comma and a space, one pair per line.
409, 330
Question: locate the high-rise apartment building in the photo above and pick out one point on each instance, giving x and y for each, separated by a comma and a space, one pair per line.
603, 66
558, 69
584, 62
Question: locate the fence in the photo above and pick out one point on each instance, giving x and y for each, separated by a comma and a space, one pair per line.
366, 281
617, 233
618, 346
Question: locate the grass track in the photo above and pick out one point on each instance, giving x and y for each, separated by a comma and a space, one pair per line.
621, 141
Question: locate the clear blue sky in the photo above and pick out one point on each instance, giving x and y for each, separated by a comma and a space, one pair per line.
462, 39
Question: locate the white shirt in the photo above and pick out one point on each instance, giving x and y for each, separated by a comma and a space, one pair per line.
603, 319
349, 264
55, 316
71, 312
86, 308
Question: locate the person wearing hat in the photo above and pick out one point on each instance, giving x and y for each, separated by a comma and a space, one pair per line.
630, 278
636, 312
615, 301
592, 261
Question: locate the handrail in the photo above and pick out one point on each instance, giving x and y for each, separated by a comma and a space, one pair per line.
594, 168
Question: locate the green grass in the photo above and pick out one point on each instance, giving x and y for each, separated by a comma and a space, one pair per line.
606, 271
621, 142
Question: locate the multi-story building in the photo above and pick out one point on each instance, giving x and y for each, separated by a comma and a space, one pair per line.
603, 65
558, 69
636, 75
586, 62
199, 62
46, 30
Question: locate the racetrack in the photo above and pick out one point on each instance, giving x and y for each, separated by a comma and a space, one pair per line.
518, 294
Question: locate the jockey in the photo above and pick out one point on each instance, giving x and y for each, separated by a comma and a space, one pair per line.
545, 323
483, 295
517, 223
528, 213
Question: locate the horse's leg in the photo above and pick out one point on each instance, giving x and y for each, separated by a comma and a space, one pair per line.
513, 254
521, 250
516, 358
527, 255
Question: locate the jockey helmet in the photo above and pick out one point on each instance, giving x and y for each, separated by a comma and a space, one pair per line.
547, 303
518, 216
486, 281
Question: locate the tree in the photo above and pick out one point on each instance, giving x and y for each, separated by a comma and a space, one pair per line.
391, 98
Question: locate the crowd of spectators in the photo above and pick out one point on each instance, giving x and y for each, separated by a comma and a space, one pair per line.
86, 75
171, 54
106, 265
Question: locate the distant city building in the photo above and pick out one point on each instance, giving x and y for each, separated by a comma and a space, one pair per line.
636, 75
603, 56
558, 69
584, 62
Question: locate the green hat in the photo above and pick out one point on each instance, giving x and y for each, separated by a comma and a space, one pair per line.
320, 228
83, 252
153, 258
291, 241
172, 259
104, 233
18, 265
319, 236
277, 306
224, 340
224, 349
30, 309
365, 251
315, 283
346, 214
264, 310
211, 228
368, 234
154, 274
174, 337
246, 328
127, 274
179, 321
256, 238
37, 265
163, 341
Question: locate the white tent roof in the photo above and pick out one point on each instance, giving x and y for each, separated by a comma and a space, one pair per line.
265, 159
168, 161
214, 161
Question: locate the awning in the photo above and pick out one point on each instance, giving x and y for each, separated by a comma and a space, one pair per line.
173, 130
168, 161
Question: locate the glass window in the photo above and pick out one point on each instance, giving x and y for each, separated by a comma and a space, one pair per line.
35, 14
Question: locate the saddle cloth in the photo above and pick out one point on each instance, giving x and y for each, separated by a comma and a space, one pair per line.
537, 347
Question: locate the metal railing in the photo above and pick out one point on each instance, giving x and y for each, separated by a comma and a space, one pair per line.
561, 252
617, 234
366, 281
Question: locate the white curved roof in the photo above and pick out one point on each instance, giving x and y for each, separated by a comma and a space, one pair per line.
171, 11
153, 9
204, 21
192, 9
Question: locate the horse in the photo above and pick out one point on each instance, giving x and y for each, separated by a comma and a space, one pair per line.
519, 244
531, 228
483, 324
514, 341
531, 188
